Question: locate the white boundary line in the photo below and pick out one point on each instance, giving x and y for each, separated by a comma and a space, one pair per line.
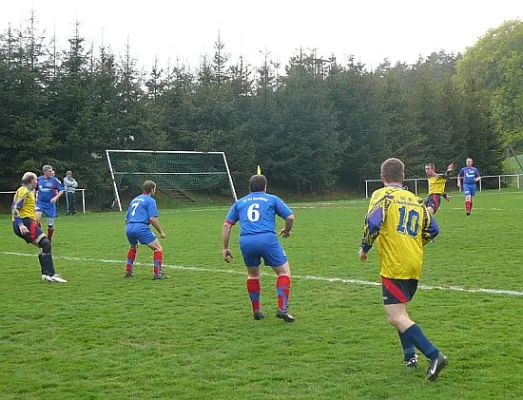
304, 277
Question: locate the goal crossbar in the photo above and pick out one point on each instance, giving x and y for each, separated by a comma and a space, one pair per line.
171, 173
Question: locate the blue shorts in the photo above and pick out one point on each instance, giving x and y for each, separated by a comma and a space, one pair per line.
139, 233
263, 245
434, 200
48, 209
469, 189
396, 291
34, 230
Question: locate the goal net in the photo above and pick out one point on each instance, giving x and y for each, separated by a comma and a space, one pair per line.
178, 174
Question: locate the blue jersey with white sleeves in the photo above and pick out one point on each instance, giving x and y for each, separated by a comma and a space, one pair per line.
257, 213
469, 174
141, 210
48, 188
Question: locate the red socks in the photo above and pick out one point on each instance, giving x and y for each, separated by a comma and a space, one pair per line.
468, 206
50, 231
283, 286
254, 289
131, 256
157, 262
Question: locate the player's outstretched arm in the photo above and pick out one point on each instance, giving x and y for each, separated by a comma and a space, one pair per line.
289, 222
226, 236
450, 169
157, 226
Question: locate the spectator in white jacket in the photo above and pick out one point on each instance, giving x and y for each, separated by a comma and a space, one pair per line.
70, 186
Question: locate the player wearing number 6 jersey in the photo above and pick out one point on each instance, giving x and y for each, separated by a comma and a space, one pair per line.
399, 222
143, 212
256, 213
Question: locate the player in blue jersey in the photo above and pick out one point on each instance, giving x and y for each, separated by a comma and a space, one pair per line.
470, 176
143, 212
48, 191
256, 213
400, 223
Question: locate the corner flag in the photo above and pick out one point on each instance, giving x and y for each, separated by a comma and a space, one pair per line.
258, 171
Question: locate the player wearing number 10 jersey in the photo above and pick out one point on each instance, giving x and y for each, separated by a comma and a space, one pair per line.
399, 222
143, 212
256, 213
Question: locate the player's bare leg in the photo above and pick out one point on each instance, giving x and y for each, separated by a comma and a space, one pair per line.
131, 256
38, 218
157, 249
283, 288
254, 290
410, 333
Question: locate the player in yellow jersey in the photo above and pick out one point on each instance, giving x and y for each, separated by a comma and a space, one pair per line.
437, 184
399, 222
24, 225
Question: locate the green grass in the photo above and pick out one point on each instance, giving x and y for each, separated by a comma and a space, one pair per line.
511, 165
193, 337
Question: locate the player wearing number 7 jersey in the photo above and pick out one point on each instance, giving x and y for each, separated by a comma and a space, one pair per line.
256, 213
143, 212
399, 222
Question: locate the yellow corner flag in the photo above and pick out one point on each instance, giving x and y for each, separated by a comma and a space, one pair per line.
258, 171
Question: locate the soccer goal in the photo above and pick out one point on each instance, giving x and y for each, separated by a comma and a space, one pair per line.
176, 173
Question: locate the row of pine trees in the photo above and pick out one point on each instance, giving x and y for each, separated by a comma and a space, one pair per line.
313, 124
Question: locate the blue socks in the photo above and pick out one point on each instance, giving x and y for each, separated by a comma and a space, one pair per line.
415, 336
408, 348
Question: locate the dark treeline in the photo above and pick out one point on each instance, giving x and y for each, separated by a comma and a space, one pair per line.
313, 124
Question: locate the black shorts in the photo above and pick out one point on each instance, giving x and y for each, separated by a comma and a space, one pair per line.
397, 291
34, 230
434, 200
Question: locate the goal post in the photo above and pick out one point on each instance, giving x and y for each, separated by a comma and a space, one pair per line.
173, 171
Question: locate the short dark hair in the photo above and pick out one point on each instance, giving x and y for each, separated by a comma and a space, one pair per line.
392, 170
257, 183
148, 186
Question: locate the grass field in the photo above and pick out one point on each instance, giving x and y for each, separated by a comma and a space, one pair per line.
193, 337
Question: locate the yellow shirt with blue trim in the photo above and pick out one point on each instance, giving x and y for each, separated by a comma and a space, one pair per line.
437, 184
23, 205
399, 222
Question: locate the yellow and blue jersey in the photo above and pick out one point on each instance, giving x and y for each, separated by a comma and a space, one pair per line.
437, 184
23, 205
399, 222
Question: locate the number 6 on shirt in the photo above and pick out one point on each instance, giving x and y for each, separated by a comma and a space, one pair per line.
252, 212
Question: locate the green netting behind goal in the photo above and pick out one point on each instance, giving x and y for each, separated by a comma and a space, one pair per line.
172, 171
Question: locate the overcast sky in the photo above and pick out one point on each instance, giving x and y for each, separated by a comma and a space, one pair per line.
371, 30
